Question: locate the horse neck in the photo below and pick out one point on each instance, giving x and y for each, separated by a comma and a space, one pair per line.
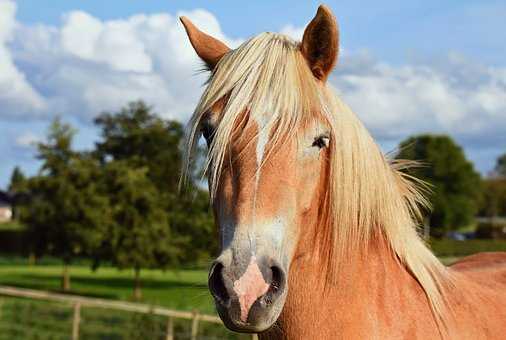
369, 290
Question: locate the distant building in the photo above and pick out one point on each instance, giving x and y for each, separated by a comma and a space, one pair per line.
5, 207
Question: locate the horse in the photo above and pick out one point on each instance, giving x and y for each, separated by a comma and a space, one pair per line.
318, 228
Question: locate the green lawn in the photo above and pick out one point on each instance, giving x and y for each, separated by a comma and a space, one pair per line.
11, 225
39, 320
181, 289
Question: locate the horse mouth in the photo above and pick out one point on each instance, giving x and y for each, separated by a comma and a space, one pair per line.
259, 319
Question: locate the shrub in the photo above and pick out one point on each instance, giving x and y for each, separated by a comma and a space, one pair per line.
492, 229
446, 247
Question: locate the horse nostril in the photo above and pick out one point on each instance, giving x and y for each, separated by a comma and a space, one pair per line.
277, 284
217, 285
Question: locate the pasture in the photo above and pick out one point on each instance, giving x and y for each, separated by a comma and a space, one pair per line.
22, 318
184, 289
180, 289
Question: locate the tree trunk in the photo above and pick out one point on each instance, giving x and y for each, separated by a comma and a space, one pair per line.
65, 280
137, 284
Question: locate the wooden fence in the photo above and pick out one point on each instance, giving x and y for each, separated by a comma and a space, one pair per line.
79, 302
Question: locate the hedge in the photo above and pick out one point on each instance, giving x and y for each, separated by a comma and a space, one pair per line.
447, 247
14, 242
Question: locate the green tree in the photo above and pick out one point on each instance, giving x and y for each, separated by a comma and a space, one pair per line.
17, 189
141, 138
138, 135
500, 167
456, 185
18, 181
140, 235
66, 212
493, 202
191, 216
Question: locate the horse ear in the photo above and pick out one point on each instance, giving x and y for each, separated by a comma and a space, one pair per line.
320, 43
209, 49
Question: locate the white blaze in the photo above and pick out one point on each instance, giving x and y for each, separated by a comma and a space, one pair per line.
250, 286
262, 140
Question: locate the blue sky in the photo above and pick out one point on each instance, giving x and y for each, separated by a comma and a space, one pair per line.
407, 66
394, 30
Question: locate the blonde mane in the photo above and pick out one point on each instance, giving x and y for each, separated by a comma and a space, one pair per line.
367, 195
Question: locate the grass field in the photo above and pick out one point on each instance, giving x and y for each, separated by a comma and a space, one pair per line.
179, 289
182, 289
27, 319
39, 320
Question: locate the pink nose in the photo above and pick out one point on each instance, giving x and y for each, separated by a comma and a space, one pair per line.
246, 291
249, 287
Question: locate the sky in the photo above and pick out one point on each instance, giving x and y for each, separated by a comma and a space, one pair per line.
405, 67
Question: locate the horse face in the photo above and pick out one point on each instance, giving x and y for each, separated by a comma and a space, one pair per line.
267, 190
267, 193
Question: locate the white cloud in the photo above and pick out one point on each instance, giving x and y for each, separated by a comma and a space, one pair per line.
293, 32
452, 95
27, 140
88, 65
15, 92
395, 101
114, 43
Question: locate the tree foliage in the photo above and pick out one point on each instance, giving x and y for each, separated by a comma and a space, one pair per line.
137, 135
140, 235
493, 202
456, 185
18, 181
155, 225
66, 211
17, 189
118, 203
141, 139
500, 167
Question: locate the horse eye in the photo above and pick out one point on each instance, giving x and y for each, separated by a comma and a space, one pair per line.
208, 132
321, 142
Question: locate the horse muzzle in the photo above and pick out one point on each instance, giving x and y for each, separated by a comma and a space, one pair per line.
249, 295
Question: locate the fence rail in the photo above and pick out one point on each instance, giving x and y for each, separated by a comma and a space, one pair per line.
78, 302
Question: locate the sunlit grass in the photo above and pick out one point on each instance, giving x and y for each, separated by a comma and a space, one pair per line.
178, 289
184, 289
11, 225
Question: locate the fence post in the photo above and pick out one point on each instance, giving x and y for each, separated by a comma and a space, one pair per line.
195, 325
76, 320
170, 328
